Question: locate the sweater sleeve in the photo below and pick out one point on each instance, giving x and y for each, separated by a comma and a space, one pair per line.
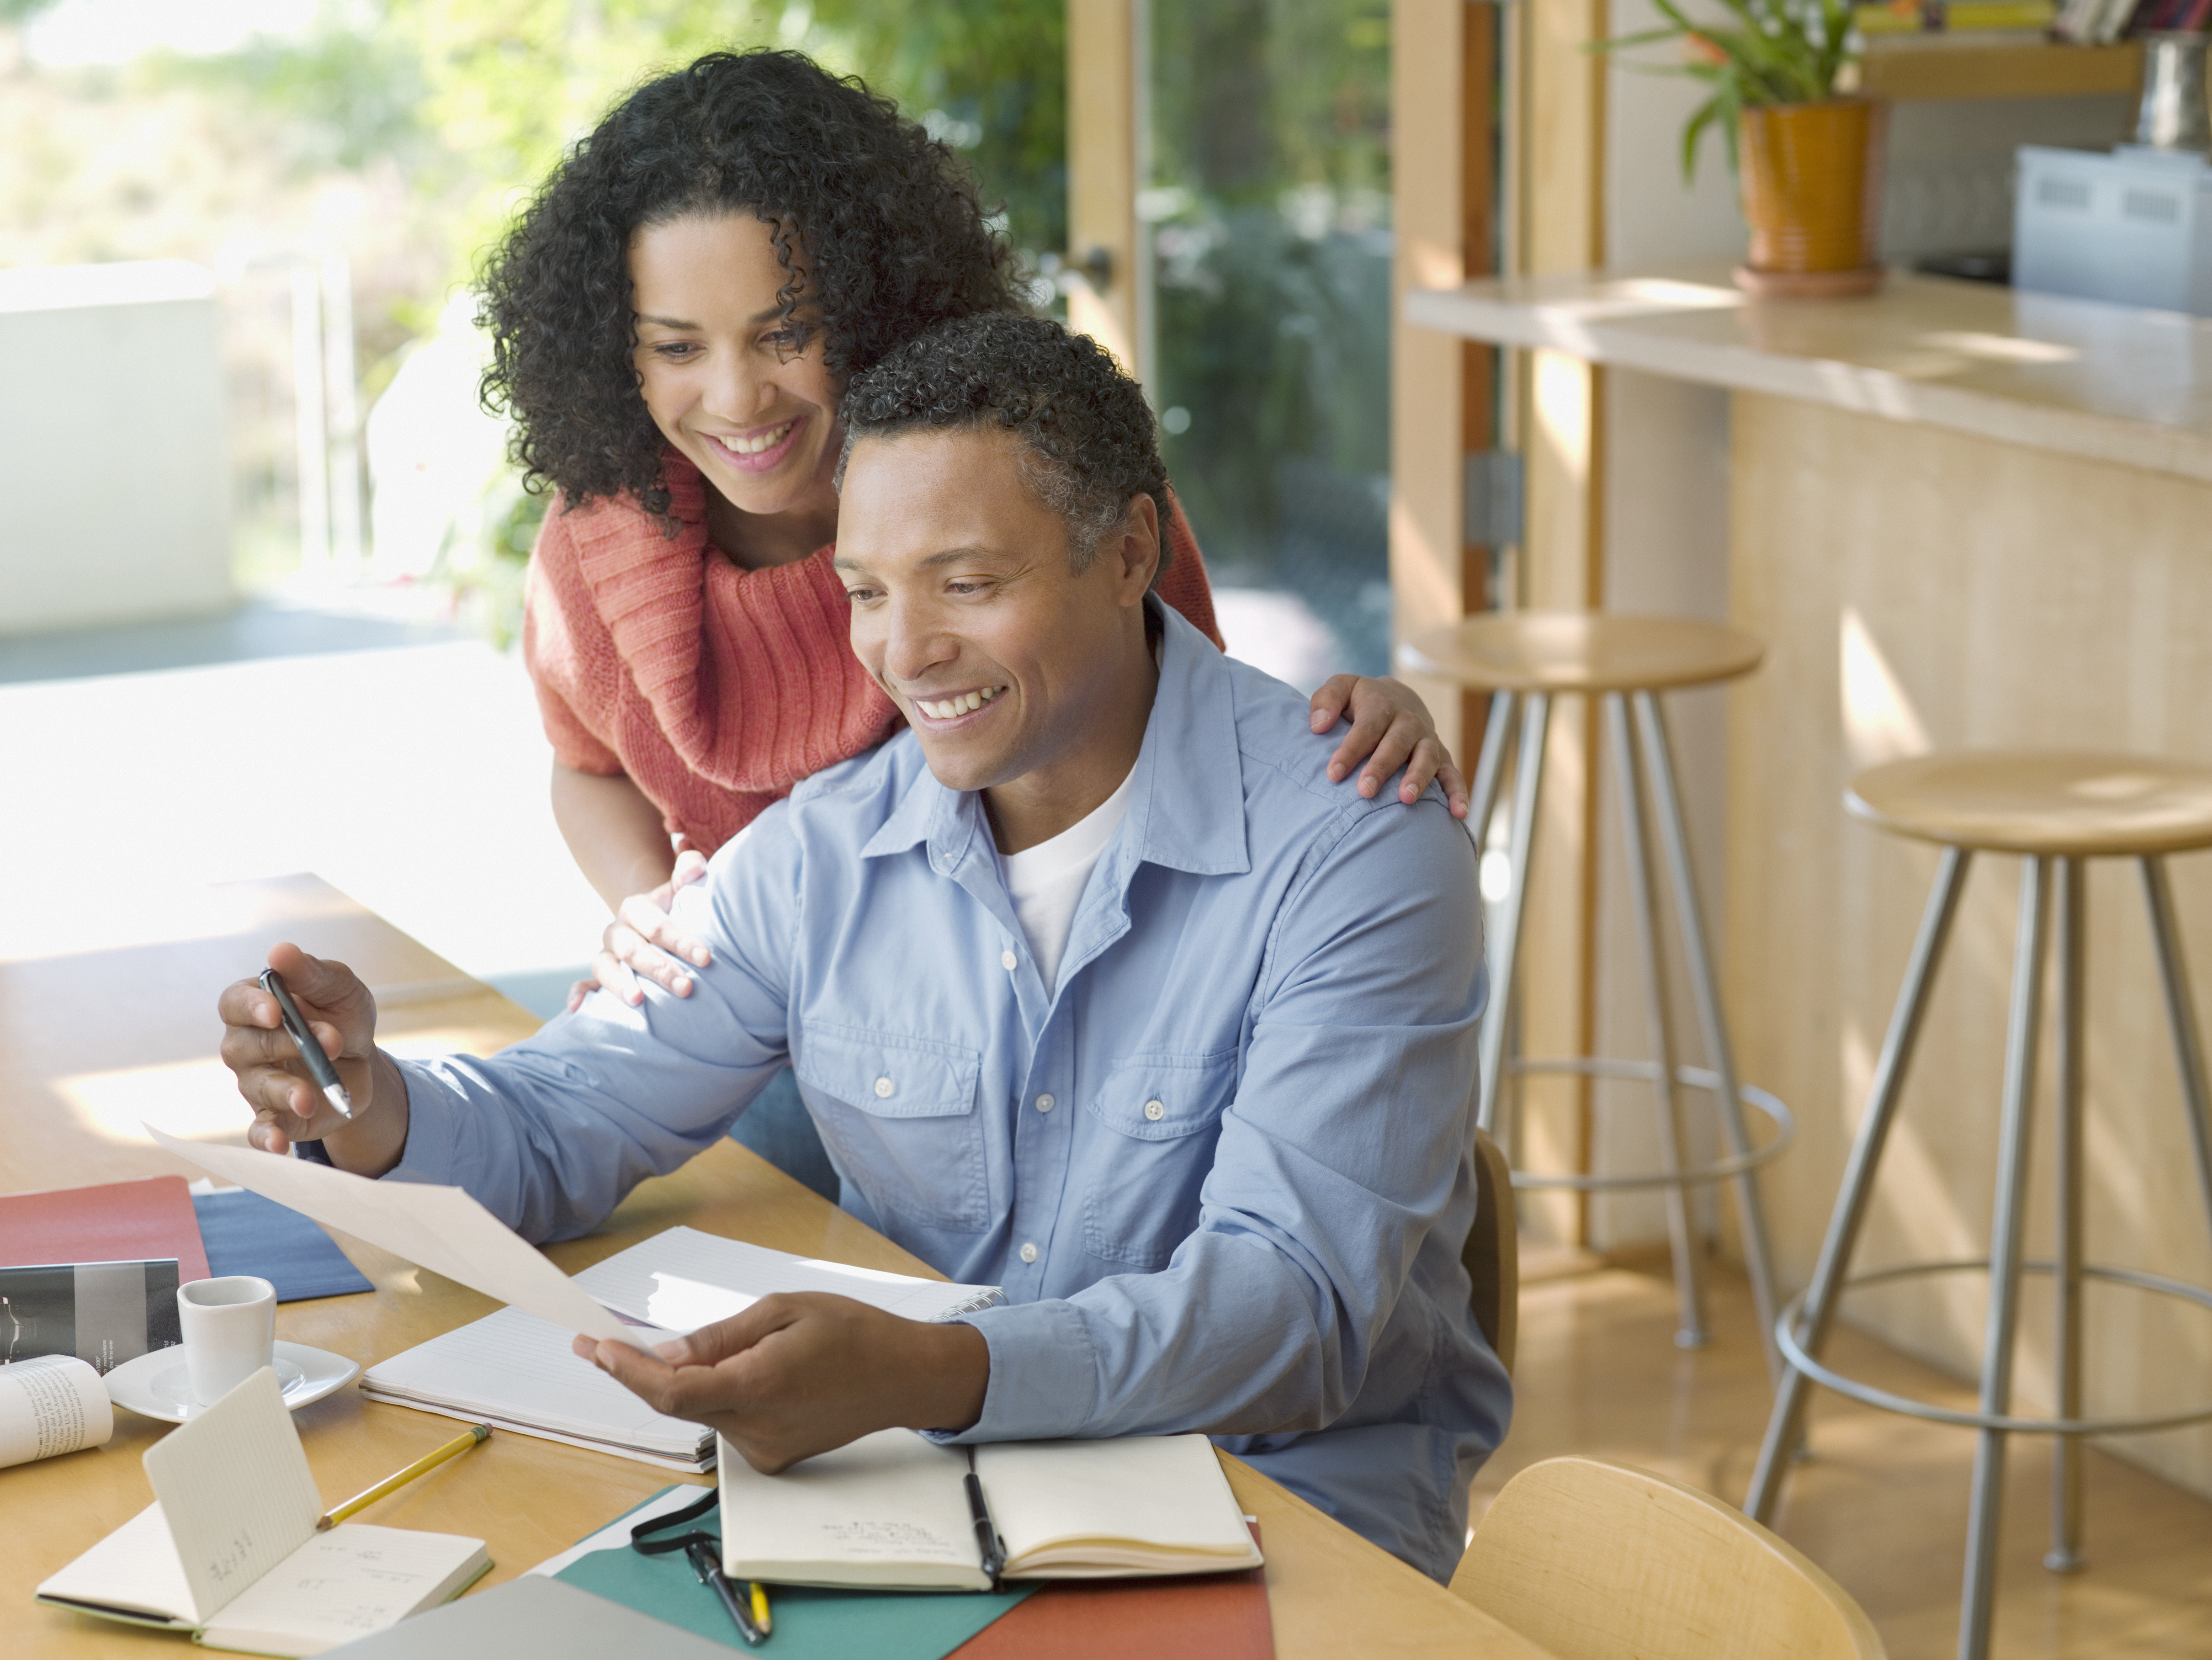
1183, 583
565, 646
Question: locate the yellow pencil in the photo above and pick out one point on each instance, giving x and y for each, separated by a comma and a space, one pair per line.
453, 1449
760, 1608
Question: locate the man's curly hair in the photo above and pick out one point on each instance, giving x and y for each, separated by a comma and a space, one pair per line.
878, 225
1088, 445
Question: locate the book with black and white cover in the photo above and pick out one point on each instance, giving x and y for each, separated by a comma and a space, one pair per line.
519, 1372
103, 1313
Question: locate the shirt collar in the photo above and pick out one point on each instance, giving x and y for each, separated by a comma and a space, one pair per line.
1186, 800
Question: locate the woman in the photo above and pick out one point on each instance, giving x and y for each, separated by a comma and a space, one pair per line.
673, 321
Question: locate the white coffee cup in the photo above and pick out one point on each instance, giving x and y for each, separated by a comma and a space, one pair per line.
230, 1332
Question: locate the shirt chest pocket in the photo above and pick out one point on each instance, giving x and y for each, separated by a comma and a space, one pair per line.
898, 1114
1164, 1114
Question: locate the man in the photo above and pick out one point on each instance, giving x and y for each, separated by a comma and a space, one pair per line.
1097, 987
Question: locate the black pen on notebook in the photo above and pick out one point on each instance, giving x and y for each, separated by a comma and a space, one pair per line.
319, 1064
992, 1548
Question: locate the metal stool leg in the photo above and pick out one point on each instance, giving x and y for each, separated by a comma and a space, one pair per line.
1751, 1216
2064, 1555
2006, 1228
1496, 736
1785, 1426
2181, 1017
1527, 790
1689, 1249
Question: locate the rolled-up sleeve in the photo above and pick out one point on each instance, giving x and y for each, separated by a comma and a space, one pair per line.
1343, 1149
550, 1134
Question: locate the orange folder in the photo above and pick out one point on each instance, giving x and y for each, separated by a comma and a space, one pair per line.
115, 1222
1211, 1616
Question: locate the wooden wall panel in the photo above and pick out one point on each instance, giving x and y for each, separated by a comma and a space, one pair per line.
1924, 589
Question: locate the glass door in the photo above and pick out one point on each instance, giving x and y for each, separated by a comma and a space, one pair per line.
1263, 313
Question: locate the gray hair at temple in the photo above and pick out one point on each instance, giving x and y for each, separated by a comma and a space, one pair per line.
1088, 445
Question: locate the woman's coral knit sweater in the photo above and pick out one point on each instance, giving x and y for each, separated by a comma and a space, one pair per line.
714, 688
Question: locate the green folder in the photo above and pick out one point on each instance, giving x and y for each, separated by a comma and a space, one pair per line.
810, 1622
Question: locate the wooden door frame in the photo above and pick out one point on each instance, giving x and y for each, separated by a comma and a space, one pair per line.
1105, 104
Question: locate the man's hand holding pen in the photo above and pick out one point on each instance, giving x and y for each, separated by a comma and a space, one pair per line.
288, 1103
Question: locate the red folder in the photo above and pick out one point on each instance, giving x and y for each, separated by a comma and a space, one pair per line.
1212, 1616
117, 1222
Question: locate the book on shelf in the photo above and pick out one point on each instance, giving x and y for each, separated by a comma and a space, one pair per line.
2103, 22
891, 1511
2025, 19
518, 1372
229, 1550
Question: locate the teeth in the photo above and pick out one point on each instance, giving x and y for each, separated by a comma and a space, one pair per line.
766, 440
950, 708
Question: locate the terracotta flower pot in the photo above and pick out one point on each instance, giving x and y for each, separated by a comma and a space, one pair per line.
1811, 193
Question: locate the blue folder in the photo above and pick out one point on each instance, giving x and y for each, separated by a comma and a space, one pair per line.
244, 1233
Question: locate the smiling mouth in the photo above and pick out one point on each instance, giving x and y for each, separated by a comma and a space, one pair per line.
760, 444
951, 708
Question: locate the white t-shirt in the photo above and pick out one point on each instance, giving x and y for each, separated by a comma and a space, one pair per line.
1046, 881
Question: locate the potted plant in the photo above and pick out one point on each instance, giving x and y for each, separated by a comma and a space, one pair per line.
1809, 160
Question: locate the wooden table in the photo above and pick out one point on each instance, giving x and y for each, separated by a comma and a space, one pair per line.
124, 1022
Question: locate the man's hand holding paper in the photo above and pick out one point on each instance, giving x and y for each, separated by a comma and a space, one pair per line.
804, 1373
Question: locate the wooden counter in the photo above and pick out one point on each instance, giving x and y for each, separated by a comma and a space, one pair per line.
1962, 517
2075, 377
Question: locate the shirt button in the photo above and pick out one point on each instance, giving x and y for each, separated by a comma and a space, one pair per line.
1029, 1253
1006, 961
1153, 1109
884, 1087
1045, 1103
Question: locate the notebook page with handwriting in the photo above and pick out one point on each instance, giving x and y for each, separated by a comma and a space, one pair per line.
889, 1511
235, 1488
344, 1584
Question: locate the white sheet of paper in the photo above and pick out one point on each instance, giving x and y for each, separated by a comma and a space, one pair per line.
682, 1279
442, 1229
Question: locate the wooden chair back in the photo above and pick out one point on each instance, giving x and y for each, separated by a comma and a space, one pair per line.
1492, 1255
1594, 1560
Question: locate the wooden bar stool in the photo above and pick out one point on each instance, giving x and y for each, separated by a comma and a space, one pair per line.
1524, 659
2057, 810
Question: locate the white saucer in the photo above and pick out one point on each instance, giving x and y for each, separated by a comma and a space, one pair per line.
156, 1384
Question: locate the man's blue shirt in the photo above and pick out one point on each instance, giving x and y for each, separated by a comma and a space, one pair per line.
1222, 1168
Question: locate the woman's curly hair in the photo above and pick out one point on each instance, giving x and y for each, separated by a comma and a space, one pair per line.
877, 224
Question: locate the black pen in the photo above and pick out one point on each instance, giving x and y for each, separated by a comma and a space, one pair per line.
992, 1548
701, 1554
319, 1064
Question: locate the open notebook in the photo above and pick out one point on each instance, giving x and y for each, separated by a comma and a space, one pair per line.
517, 1372
890, 1511
229, 1551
